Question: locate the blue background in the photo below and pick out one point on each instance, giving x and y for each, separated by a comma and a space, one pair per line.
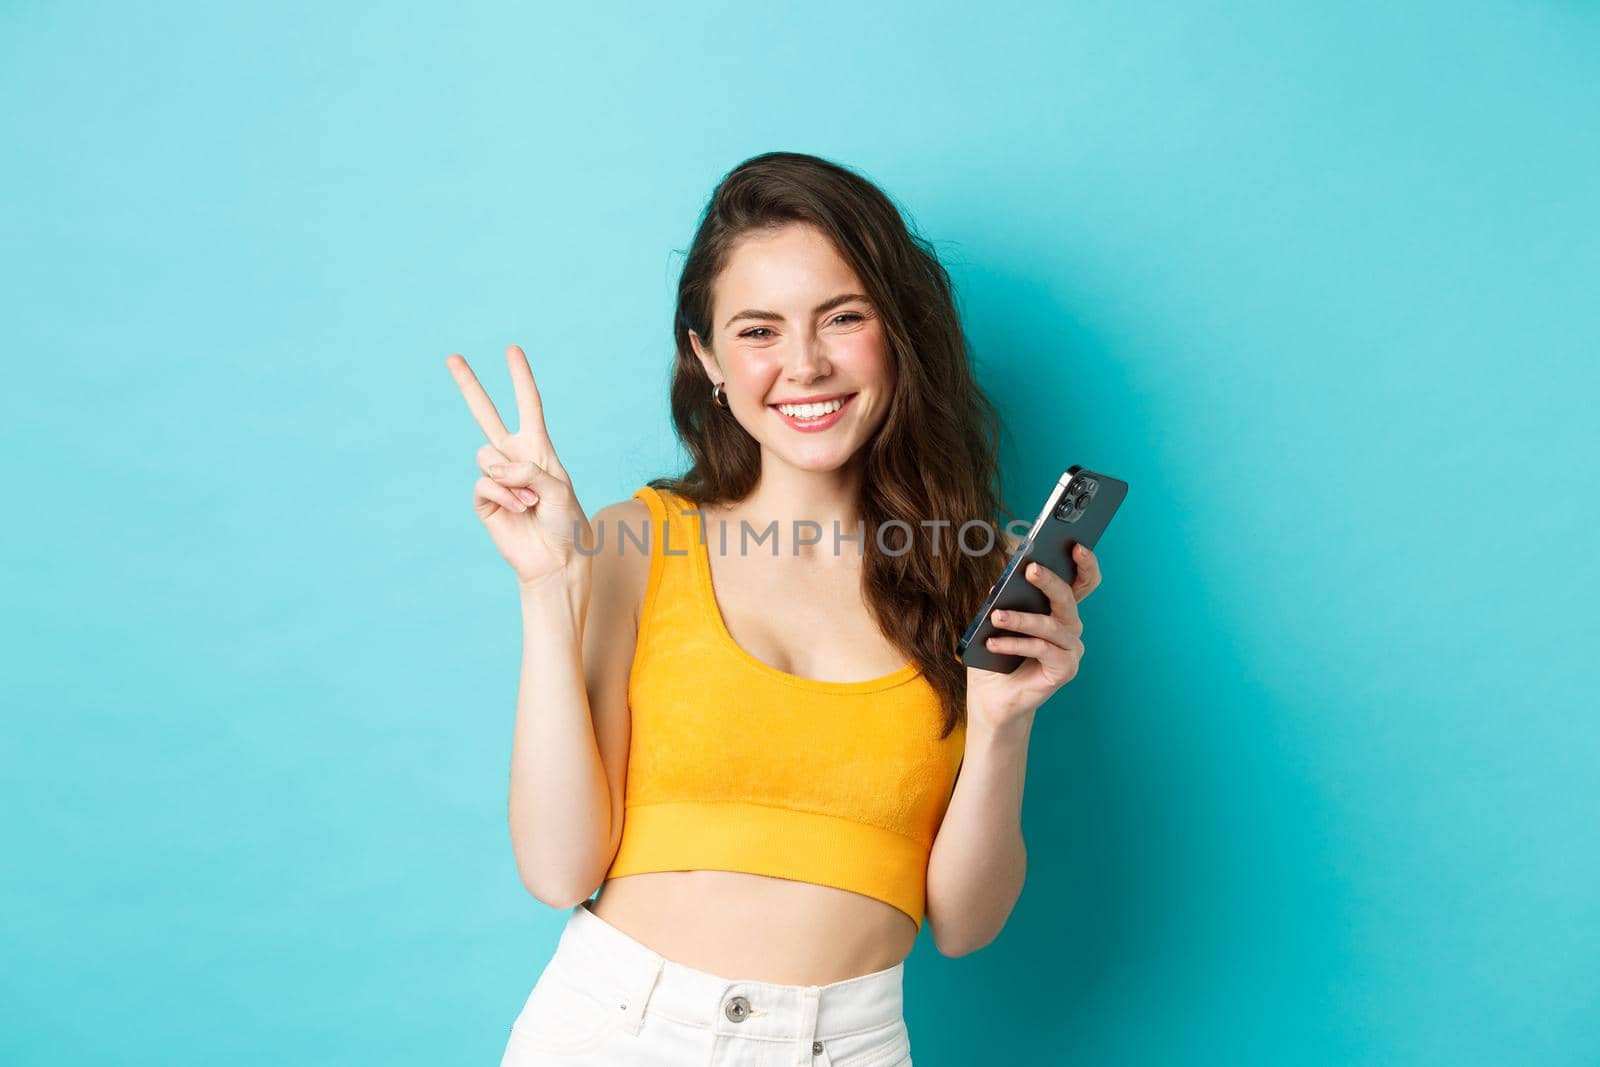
1318, 280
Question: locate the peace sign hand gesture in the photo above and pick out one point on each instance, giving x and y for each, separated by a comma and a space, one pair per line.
525, 497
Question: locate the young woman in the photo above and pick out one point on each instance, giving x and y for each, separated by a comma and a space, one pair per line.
741, 716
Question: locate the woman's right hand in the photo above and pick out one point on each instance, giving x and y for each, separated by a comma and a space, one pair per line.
525, 497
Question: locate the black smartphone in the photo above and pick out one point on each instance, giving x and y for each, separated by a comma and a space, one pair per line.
1077, 512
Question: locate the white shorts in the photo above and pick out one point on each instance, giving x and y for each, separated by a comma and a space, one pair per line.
606, 1000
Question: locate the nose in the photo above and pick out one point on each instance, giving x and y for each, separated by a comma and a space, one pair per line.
808, 363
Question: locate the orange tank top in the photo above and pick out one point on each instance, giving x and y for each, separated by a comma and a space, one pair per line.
734, 765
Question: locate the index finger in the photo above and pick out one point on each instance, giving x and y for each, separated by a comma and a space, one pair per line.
478, 402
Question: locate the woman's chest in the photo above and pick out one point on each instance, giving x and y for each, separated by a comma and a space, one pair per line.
807, 621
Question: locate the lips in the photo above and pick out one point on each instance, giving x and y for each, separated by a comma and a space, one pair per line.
816, 425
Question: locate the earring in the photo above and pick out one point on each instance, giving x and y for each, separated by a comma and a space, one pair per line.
719, 395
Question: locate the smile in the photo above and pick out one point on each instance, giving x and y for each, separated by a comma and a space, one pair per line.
814, 416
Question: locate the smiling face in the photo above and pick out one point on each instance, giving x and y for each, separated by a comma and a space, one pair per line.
791, 323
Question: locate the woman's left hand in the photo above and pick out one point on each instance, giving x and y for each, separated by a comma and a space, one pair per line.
1053, 645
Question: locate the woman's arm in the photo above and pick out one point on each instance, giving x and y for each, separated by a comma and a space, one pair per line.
979, 860
569, 749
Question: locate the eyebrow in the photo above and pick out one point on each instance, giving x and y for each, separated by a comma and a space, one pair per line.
826, 305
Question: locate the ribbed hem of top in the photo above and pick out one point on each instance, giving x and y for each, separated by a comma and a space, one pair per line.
777, 842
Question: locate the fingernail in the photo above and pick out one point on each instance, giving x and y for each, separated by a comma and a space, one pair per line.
499, 468
527, 496
1000, 616
1033, 570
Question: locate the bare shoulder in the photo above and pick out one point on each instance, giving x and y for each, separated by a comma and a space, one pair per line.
633, 511
621, 567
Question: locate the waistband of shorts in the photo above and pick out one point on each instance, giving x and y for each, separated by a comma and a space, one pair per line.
642, 980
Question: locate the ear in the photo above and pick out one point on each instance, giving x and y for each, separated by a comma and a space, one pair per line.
707, 361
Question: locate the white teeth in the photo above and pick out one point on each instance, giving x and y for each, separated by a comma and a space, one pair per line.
812, 411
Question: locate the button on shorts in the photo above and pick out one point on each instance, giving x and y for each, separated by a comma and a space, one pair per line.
606, 1000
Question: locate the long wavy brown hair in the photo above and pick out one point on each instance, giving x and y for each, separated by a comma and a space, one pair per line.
935, 456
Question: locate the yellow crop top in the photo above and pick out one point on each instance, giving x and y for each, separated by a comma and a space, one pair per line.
735, 765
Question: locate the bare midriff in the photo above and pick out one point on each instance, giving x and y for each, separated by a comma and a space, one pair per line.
752, 927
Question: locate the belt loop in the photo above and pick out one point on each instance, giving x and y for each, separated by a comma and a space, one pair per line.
641, 984
808, 1027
